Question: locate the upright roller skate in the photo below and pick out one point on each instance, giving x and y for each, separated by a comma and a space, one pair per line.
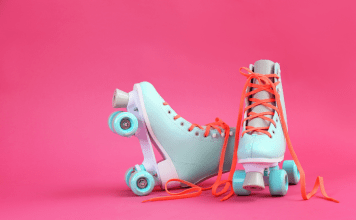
262, 143
192, 153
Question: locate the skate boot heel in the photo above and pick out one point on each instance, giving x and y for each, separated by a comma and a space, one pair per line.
254, 181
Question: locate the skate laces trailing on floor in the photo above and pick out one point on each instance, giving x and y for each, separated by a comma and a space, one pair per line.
196, 190
266, 84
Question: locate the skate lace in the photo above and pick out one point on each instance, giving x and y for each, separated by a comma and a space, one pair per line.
266, 84
262, 86
196, 190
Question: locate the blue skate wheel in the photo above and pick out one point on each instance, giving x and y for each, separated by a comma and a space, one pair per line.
125, 124
292, 171
266, 174
142, 183
128, 175
278, 182
237, 183
111, 118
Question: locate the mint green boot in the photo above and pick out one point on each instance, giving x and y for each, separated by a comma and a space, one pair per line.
191, 152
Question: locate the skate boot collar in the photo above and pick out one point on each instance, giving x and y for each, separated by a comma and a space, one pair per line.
264, 67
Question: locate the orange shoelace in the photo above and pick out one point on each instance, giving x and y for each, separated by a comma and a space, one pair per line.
266, 84
196, 190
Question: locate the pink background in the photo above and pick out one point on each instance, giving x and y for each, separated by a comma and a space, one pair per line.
61, 61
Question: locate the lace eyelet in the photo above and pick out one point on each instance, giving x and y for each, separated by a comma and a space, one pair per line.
196, 133
273, 132
182, 123
169, 111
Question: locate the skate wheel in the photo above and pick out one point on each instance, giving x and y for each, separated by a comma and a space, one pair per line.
266, 174
278, 182
125, 124
142, 183
237, 183
111, 118
292, 172
128, 175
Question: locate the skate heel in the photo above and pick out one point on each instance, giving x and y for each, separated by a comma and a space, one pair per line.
254, 181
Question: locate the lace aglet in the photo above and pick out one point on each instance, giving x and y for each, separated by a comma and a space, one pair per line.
333, 200
148, 200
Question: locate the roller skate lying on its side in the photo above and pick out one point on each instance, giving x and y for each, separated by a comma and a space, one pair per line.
192, 153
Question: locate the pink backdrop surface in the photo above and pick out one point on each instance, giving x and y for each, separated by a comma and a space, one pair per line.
60, 62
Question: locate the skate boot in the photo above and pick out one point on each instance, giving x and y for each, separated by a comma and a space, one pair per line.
192, 153
264, 135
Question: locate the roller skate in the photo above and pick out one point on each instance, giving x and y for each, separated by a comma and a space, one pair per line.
262, 143
192, 153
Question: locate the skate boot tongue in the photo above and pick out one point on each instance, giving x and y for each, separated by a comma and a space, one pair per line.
262, 67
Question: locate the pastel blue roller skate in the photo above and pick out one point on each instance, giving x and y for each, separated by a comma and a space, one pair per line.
262, 145
191, 152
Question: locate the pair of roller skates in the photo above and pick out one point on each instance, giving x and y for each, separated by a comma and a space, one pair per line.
193, 153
